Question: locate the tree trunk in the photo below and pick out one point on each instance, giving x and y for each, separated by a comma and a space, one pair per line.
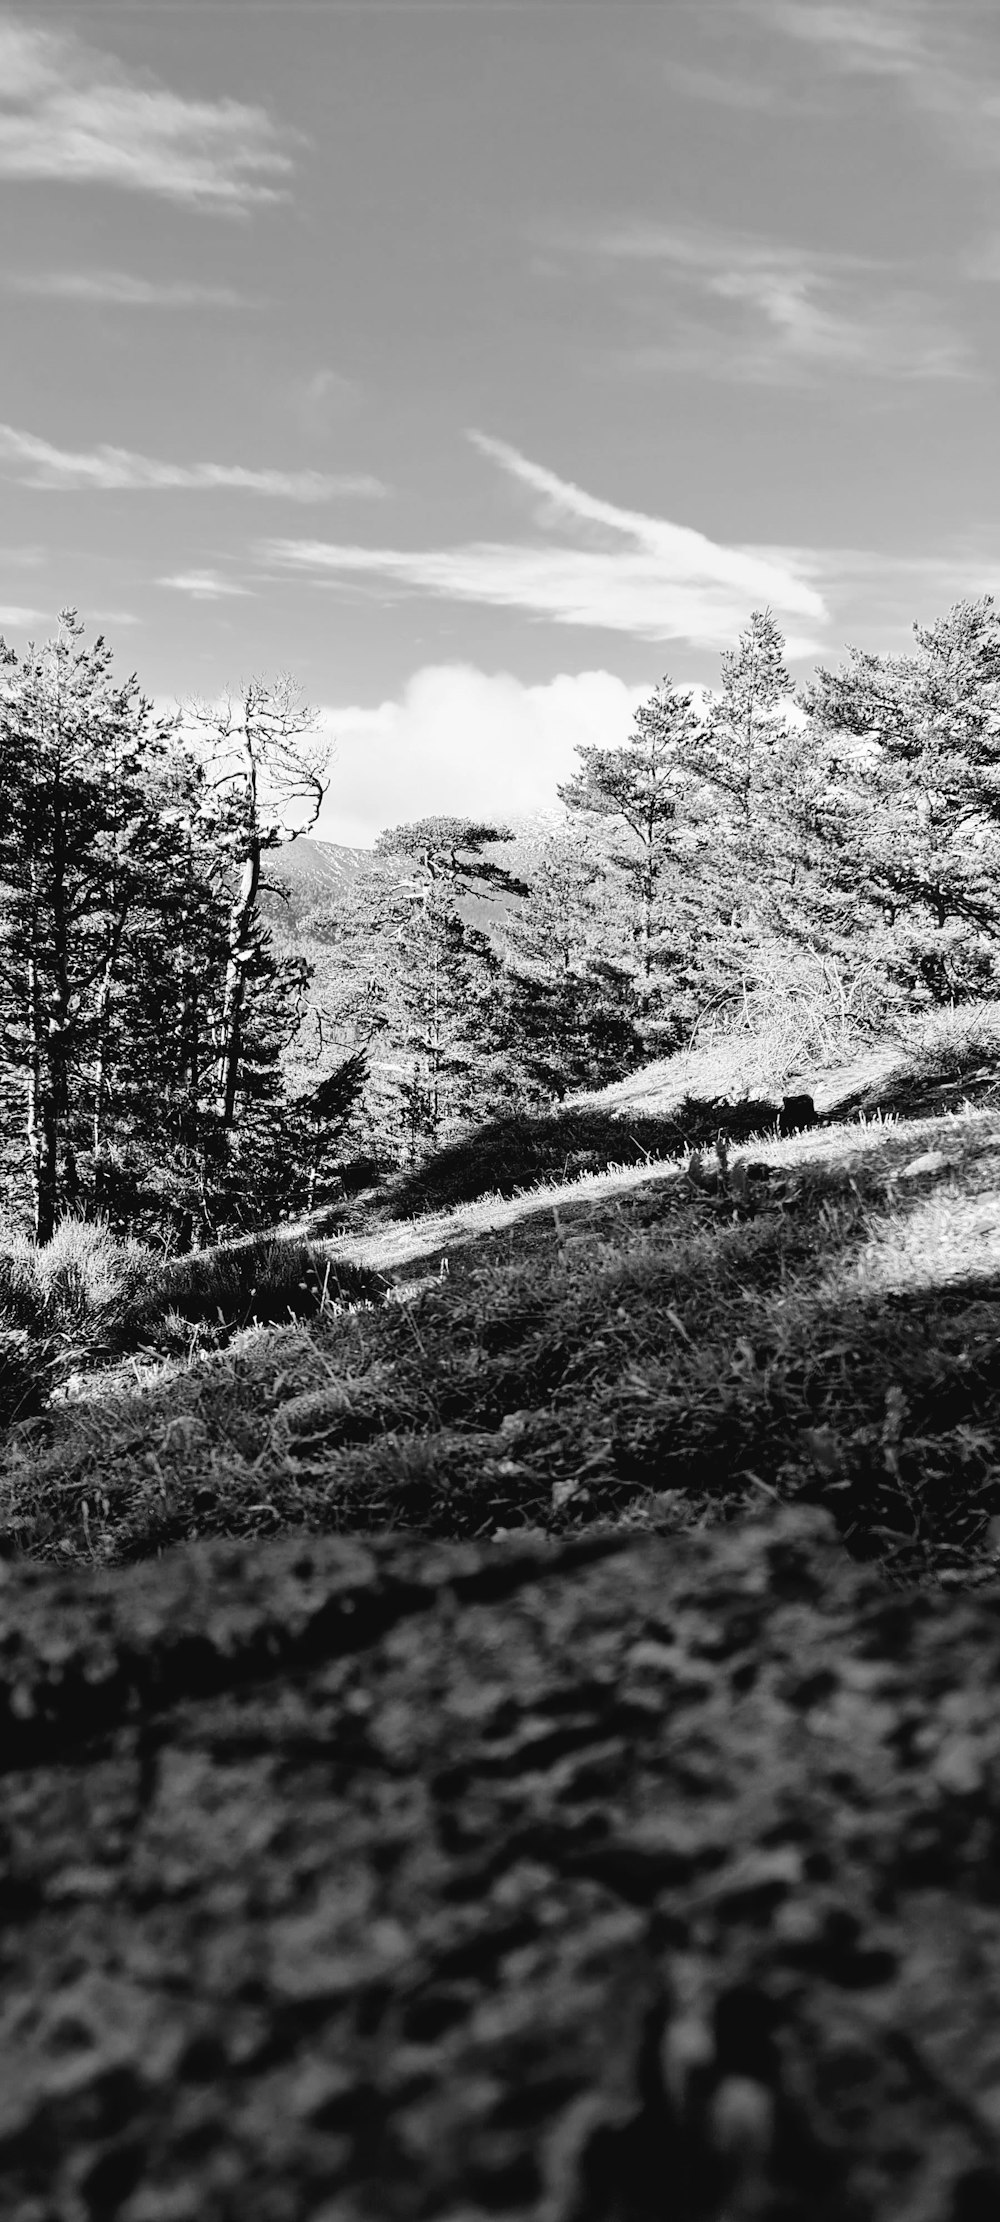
43, 1140
240, 944
103, 1071
40, 1117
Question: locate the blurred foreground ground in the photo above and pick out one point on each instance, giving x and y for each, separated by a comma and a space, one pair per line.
602, 1880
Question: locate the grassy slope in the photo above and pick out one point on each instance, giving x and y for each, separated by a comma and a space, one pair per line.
634, 1346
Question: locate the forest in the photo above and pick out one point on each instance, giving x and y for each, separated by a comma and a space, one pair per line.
187, 1054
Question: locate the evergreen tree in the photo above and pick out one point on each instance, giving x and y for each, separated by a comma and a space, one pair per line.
570, 995
441, 1005
754, 762
756, 798
80, 855
640, 787
264, 786
912, 815
450, 850
259, 774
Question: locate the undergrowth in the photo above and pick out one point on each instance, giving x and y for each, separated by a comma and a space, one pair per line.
642, 1314
815, 1323
88, 1296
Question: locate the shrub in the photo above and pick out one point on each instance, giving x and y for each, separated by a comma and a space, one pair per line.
20, 1298
92, 1284
25, 1376
263, 1282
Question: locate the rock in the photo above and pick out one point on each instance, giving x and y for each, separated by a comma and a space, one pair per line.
797, 1113
930, 1161
558, 1883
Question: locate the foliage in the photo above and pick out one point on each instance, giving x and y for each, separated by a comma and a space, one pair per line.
451, 849
81, 868
911, 818
639, 786
143, 1008
570, 1001
25, 1376
420, 987
268, 1279
89, 1278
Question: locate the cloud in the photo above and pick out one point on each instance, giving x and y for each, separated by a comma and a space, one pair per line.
726, 92
10, 614
203, 586
119, 289
784, 314
877, 38
948, 73
71, 114
37, 463
463, 741
634, 573
322, 399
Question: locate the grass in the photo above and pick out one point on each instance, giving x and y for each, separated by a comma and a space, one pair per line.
657, 1343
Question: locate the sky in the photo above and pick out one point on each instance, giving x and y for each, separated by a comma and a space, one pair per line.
482, 362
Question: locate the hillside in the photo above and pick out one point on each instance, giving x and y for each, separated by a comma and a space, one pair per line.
613, 1321
608, 1568
308, 873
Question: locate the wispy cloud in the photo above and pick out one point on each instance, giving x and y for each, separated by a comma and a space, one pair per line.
120, 289
25, 554
322, 399
780, 313
878, 38
726, 91
10, 614
70, 113
934, 53
114, 470
634, 574
203, 586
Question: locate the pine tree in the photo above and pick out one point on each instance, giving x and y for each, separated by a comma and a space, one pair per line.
912, 815
570, 995
79, 857
749, 756
640, 786
442, 1056
265, 786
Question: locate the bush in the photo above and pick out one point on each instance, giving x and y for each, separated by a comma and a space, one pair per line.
20, 1298
25, 1376
263, 1282
92, 1284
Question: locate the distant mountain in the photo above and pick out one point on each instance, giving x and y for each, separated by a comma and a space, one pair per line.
309, 872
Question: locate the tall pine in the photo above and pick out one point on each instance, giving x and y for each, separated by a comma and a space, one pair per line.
80, 859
